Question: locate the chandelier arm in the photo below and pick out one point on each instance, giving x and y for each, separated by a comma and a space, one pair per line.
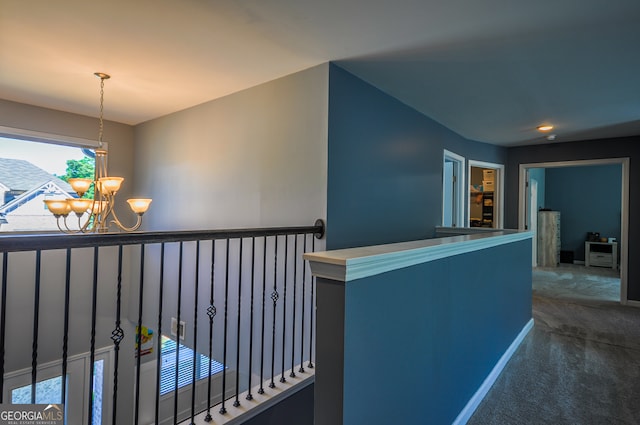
85, 226
67, 229
121, 226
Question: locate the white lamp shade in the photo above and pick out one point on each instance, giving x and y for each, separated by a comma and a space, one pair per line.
58, 206
79, 205
110, 185
80, 186
139, 205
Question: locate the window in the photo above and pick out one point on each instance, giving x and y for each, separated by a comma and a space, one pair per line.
49, 391
185, 368
32, 171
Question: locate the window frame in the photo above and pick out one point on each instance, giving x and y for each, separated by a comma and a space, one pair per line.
49, 138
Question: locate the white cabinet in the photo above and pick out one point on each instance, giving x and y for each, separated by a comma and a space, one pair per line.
601, 254
548, 238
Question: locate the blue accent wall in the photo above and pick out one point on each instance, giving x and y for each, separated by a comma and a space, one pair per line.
588, 199
385, 164
420, 341
624, 147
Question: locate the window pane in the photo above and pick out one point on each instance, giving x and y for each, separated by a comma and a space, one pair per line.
98, 381
47, 392
185, 368
31, 172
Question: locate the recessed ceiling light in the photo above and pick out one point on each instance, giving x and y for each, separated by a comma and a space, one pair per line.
545, 127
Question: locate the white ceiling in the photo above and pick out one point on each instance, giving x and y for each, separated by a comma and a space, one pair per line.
490, 70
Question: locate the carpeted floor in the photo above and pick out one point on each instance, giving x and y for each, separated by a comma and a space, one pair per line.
580, 364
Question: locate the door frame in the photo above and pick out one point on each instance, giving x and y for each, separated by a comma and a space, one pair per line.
459, 195
78, 370
498, 197
624, 221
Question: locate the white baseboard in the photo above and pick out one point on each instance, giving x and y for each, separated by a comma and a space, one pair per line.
474, 402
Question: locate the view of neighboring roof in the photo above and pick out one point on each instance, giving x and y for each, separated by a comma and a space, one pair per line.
21, 175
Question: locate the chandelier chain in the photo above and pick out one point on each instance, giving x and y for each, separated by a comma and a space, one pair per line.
101, 111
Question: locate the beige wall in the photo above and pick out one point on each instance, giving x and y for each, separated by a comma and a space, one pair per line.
254, 158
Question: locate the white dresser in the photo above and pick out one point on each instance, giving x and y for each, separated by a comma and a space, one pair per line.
601, 254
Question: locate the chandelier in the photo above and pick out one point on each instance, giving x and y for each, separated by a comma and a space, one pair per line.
95, 215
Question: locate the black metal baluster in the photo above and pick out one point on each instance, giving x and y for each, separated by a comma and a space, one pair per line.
116, 336
295, 301
304, 291
211, 312
178, 334
311, 311
253, 254
159, 340
65, 334
3, 320
139, 336
284, 305
236, 403
36, 319
195, 334
92, 355
262, 323
274, 298
223, 410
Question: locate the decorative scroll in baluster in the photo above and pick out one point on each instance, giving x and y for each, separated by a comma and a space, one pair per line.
211, 312
274, 298
253, 254
223, 410
117, 335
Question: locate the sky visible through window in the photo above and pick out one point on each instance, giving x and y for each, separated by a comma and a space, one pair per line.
50, 157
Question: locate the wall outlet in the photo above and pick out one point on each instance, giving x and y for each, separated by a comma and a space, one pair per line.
174, 327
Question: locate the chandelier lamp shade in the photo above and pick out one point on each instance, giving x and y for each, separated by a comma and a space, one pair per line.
95, 215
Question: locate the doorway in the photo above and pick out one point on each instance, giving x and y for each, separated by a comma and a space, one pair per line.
50, 388
453, 177
485, 201
527, 216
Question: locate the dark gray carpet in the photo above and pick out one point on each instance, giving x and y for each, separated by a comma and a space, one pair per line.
580, 364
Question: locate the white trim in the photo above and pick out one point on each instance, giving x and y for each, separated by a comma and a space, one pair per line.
346, 265
259, 402
37, 136
475, 400
624, 220
498, 198
461, 183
